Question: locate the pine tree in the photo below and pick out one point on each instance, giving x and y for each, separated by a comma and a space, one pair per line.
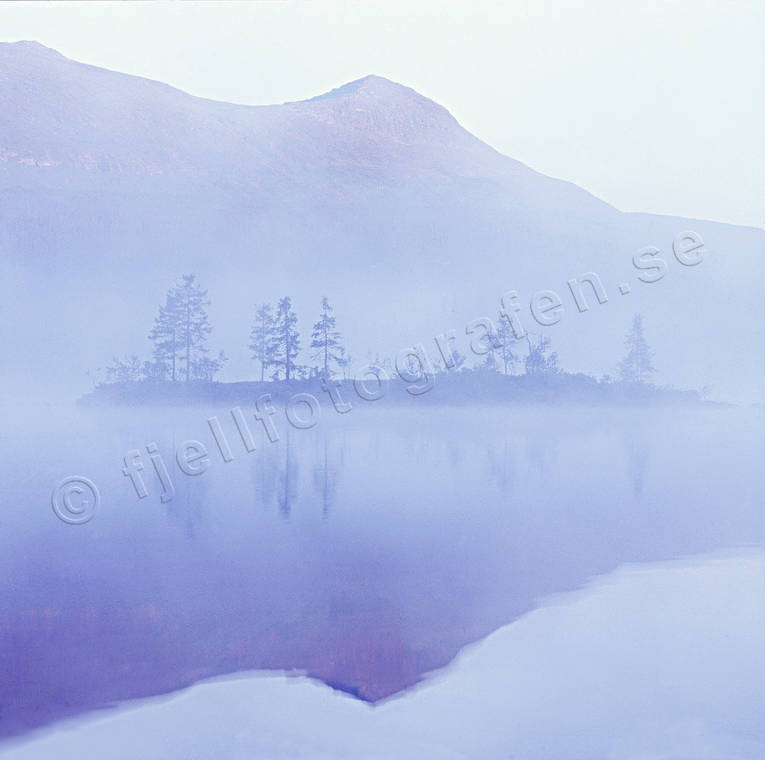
286, 345
262, 338
194, 326
505, 339
164, 335
326, 340
540, 360
636, 367
181, 329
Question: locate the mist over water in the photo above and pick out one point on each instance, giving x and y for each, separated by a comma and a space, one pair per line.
366, 551
545, 542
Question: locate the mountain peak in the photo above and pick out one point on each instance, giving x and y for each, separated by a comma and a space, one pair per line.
85, 117
373, 86
31, 47
381, 108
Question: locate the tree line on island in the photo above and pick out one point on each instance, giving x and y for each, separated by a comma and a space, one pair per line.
182, 328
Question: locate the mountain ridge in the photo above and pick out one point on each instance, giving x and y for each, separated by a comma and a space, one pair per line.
371, 194
145, 127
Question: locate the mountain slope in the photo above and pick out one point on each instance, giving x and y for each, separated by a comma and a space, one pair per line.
112, 185
77, 116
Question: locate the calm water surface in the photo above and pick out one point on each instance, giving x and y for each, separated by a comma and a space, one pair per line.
366, 551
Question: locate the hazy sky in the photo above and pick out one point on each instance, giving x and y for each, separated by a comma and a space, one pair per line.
653, 106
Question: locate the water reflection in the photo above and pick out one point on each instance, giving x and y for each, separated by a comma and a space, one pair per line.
188, 510
265, 475
288, 477
637, 452
325, 475
367, 551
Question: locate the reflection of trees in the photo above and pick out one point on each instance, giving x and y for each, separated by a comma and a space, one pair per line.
325, 478
637, 453
542, 451
501, 465
265, 474
188, 510
289, 477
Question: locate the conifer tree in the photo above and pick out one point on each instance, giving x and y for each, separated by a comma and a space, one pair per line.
286, 345
326, 340
636, 367
540, 360
181, 329
164, 335
262, 338
505, 339
194, 326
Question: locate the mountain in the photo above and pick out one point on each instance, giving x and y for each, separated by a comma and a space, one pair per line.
111, 186
78, 117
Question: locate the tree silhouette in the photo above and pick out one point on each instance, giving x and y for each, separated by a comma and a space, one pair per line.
345, 365
505, 339
180, 332
262, 338
540, 360
205, 368
194, 325
286, 345
459, 360
489, 364
127, 370
326, 340
636, 366
164, 335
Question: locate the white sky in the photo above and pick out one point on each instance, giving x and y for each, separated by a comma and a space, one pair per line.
653, 106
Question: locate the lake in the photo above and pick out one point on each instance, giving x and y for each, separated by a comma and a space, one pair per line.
365, 552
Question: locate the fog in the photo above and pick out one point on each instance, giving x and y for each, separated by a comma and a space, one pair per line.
366, 551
